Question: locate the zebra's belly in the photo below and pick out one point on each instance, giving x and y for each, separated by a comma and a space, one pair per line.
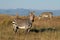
23, 27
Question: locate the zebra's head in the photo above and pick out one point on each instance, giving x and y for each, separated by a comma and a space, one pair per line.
31, 16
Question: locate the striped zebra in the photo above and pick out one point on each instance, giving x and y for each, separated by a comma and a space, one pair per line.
25, 24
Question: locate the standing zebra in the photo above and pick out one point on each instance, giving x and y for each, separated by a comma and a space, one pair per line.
26, 24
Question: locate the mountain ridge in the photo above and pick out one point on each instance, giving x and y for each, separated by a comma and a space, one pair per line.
23, 12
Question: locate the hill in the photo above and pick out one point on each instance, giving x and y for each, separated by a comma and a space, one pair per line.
27, 11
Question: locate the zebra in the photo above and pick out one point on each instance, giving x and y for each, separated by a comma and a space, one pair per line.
46, 15
25, 24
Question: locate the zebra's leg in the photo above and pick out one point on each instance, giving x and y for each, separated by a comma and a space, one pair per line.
28, 30
15, 29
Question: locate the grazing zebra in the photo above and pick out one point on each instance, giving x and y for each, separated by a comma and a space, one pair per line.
20, 23
46, 15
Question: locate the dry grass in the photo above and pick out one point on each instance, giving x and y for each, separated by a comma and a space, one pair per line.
6, 32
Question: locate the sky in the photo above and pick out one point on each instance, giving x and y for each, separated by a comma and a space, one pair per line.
30, 4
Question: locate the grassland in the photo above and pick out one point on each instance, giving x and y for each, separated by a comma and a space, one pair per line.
40, 32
